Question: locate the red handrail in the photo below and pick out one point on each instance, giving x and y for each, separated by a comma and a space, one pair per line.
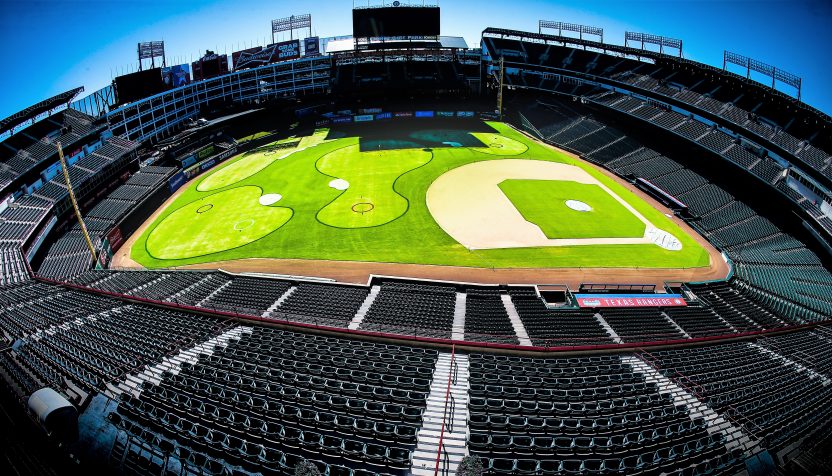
445, 411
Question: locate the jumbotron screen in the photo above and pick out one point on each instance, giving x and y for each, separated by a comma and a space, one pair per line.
139, 85
395, 21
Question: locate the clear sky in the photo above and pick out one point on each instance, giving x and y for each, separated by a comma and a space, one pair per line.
52, 46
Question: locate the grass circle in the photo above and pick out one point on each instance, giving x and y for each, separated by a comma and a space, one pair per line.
362, 207
205, 208
243, 224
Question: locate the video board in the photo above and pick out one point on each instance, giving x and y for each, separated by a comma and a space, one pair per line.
395, 21
139, 85
175, 76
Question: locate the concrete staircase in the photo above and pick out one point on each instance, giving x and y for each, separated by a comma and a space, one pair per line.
516, 323
715, 423
456, 426
279, 302
365, 306
608, 328
458, 328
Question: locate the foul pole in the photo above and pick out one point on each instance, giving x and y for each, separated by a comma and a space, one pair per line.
500, 91
75, 204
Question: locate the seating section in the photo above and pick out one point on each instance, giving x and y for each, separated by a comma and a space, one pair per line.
13, 267
323, 304
809, 349
96, 347
780, 271
68, 256
702, 322
486, 319
405, 308
589, 415
30, 307
549, 327
246, 295
270, 399
640, 325
771, 400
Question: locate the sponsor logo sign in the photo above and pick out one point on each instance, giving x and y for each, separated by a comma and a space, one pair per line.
631, 300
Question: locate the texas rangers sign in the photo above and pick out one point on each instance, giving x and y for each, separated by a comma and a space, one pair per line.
630, 300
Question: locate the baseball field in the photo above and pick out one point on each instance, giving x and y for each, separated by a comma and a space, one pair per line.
481, 196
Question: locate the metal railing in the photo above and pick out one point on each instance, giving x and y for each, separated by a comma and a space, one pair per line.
442, 453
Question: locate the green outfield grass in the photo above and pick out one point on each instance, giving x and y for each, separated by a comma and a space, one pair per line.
543, 202
383, 216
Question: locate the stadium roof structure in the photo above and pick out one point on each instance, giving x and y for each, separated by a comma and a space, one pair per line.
34, 110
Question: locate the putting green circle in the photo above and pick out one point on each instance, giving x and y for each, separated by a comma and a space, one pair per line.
205, 208
362, 207
242, 225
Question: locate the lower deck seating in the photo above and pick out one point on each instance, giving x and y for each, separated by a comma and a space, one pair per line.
486, 319
405, 308
246, 295
324, 304
549, 327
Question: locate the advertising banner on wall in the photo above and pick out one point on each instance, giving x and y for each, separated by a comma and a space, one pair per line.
176, 181
115, 239
341, 120
283, 51
630, 300
235, 56
311, 46
424, 113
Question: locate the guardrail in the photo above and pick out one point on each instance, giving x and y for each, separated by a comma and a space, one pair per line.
442, 453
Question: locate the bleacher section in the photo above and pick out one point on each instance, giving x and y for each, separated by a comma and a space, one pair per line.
69, 255
549, 327
774, 267
426, 309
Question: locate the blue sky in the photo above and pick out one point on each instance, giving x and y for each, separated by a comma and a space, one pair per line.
52, 45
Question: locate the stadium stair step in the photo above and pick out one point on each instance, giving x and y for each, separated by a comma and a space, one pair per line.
188, 289
606, 325
791, 363
458, 327
213, 293
516, 323
279, 302
454, 437
675, 325
365, 306
132, 383
735, 437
